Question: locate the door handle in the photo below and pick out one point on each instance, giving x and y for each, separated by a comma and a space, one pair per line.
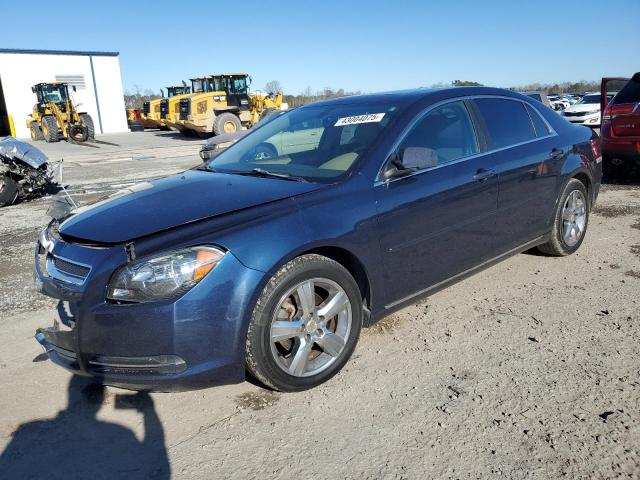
484, 173
556, 153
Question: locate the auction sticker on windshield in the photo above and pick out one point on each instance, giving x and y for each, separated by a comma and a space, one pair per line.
368, 118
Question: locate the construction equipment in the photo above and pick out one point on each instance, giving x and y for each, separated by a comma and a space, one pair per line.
55, 117
226, 106
156, 110
136, 121
172, 105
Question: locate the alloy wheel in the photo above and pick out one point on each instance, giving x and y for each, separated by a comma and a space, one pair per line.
310, 326
574, 218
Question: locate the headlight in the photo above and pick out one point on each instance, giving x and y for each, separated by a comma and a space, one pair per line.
163, 277
223, 145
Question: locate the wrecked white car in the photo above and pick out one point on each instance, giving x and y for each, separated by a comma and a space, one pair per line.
25, 172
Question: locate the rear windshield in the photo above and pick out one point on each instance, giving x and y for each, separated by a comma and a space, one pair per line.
630, 93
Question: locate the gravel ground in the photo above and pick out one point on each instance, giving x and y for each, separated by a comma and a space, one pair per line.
528, 369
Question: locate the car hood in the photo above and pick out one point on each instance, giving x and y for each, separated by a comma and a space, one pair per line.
587, 107
224, 138
152, 207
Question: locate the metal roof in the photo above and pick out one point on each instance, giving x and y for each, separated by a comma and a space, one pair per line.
59, 52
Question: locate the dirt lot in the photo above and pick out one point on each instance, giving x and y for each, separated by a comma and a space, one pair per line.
529, 369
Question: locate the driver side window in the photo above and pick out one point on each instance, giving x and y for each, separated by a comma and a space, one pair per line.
445, 132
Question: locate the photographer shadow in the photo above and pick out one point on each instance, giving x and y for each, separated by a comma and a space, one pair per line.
75, 444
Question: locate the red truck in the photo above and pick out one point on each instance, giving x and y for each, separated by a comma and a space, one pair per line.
620, 129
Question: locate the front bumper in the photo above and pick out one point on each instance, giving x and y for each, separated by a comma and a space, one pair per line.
194, 342
590, 120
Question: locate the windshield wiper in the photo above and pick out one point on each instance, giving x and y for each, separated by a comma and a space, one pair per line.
260, 172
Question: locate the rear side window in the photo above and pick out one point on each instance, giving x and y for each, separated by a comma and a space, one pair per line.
630, 93
541, 128
507, 121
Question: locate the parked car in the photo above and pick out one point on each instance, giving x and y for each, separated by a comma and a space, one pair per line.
274, 265
557, 103
621, 126
216, 144
585, 112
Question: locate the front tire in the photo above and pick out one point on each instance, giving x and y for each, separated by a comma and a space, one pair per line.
570, 221
36, 133
226, 123
50, 129
8, 191
305, 325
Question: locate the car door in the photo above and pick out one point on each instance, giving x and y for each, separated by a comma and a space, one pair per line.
440, 220
528, 157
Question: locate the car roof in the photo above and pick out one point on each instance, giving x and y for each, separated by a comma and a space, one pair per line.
414, 95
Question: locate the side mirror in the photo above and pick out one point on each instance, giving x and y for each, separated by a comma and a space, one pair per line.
249, 80
73, 87
410, 160
33, 89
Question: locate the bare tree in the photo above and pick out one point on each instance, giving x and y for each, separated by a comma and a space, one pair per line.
274, 86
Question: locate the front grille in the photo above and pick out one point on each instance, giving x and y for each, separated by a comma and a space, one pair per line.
70, 268
185, 108
164, 108
146, 108
576, 114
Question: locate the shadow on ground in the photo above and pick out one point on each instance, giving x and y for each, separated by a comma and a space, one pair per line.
75, 444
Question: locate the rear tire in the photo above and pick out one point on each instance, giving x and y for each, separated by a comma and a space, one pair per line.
136, 126
226, 123
8, 191
313, 348
572, 216
50, 129
88, 122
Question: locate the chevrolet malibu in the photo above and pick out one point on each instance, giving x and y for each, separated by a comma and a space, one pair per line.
272, 266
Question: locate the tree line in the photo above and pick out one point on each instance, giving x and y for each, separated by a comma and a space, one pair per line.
136, 97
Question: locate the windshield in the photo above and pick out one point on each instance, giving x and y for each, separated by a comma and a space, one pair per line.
315, 143
198, 85
595, 98
237, 85
53, 94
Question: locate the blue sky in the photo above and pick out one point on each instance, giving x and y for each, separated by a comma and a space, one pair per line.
367, 45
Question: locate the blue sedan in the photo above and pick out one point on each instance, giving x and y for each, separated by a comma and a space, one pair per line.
272, 264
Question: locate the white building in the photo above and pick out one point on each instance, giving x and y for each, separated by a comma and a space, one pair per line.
96, 76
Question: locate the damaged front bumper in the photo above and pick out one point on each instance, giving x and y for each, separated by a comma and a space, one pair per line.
193, 342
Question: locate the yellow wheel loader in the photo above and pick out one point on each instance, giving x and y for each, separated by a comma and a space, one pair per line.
155, 111
172, 117
56, 118
226, 106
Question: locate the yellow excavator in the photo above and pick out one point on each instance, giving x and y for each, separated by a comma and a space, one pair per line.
225, 106
56, 118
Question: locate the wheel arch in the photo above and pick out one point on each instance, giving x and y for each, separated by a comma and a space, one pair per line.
349, 261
